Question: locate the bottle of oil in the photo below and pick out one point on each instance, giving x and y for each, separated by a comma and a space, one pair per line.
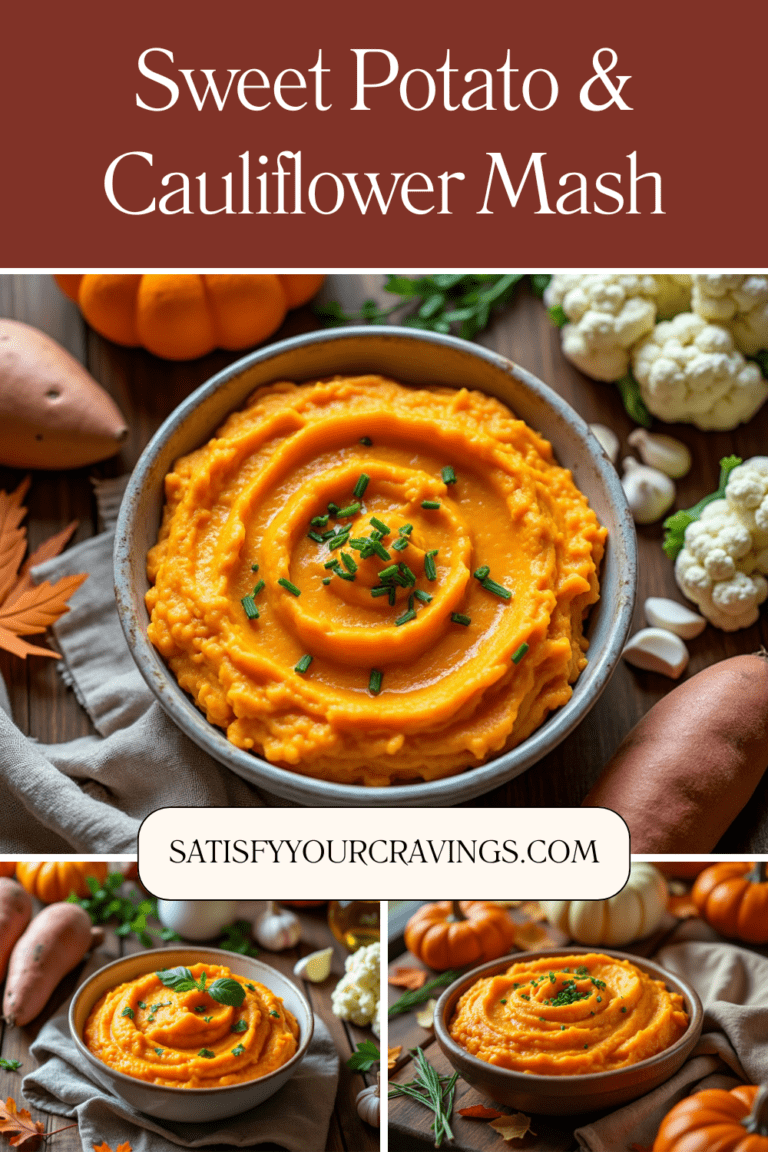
354, 923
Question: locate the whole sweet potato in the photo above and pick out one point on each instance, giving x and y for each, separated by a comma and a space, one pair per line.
687, 769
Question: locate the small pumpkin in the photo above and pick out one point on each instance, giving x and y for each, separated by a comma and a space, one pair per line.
733, 898
7, 867
181, 317
54, 880
735, 1121
452, 933
636, 911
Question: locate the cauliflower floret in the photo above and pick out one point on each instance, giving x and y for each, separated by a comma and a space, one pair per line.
722, 567
673, 294
356, 996
689, 370
747, 495
740, 303
376, 1022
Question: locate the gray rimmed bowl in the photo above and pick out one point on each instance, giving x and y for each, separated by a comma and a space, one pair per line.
413, 357
566, 1095
192, 1105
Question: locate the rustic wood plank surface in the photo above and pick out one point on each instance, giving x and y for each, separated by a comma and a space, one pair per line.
147, 389
347, 1132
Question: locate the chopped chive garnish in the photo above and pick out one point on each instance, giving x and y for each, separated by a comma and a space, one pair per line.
329, 535
348, 562
332, 508
315, 536
380, 525
319, 521
405, 529
258, 588
332, 564
362, 484
459, 618
425, 597
482, 573
392, 597
406, 617
388, 573
407, 573
380, 550
303, 664
359, 543
430, 504
254, 567
519, 653
382, 590
400, 544
400, 580
374, 682
289, 587
430, 571
339, 541
326, 579
448, 474
344, 575
251, 610
497, 589
376, 535
411, 598
366, 440
350, 510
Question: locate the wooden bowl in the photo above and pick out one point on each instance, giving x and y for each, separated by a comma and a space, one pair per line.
565, 1095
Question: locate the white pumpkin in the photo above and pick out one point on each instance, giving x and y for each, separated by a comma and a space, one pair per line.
634, 912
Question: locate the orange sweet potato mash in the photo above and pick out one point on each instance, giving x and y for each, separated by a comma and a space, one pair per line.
188, 1039
567, 1015
372, 583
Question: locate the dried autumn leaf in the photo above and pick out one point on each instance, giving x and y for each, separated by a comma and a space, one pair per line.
19, 1125
393, 1055
104, 1147
532, 936
411, 978
479, 1112
682, 907
426, 1017
532, 910
512, 1127
46, 551
13, 539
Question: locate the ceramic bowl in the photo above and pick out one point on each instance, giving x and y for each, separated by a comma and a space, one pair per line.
566, 1095
192, 1105
412, 357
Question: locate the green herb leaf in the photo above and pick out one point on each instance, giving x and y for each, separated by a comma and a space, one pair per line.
275, 1014
159, 1051
240, 1026
250, 608
289, 586
227, 991
518, 654
237, 938
238, 1051
303, 664
178, 979
539, 283
374, 682
364, 1058
436, 1092
129, 1012
206, 1054
676, 524
459, 618
10, 1065
409, 1000
448, 475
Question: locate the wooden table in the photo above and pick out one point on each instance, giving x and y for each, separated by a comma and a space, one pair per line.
409, 1122
347, 1132
147, 389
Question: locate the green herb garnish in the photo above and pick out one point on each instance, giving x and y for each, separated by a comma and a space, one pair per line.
406, 572
366, 440
482, 573
374, 681
326, 579
423, 596
241, 1026
364, 1058
206, 1053
258, 588
318, 539
420, 996
237, 938
251, 610
225, 990
129, 1012
388, 573
348, 563
448, 474
275, 1014
238, 1051
676, 524
400, 544
380, 525
459, 618
430, 571
289, 587
350, 510
431, 504
10, 1065
432, 1090
159, 1051
518, 654
320, 521
380, 590
380, 550
406, 617
303, 664
254, 567
361, 485
497, 589
207, 1019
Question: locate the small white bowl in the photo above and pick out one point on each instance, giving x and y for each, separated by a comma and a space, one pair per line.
192, 1105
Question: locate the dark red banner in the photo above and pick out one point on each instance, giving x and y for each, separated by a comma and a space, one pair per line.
435, 135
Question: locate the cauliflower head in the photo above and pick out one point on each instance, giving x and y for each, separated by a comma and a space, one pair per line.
740, 303
356, 996
608, 314
724, 562
691, 371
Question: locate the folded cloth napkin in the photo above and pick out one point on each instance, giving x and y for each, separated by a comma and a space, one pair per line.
295, 1118
91, 794
731, 983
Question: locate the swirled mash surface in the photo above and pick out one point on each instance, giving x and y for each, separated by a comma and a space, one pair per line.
187, 1039
239, 511
567, 1015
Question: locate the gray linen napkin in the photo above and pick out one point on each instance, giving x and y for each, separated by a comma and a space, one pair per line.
733, 986
295, 1118
91, 794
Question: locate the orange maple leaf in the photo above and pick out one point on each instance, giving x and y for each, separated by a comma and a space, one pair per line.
480, 1112
393, 1055
104, 1147
27, 608
412, 978
512, 1127
19, 1125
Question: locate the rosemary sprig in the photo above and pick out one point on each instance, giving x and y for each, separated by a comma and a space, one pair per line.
436, 1092
420, 996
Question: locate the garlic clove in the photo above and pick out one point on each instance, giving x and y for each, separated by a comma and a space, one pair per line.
608, 439
315, 967
673, 617
656, 650
277, 929
670, 456
650, 494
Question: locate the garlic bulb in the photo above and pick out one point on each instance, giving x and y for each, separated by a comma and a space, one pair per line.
369, 1104
314, 967
674, 617
670, 456
656, 650
277, 928
608, 439
650, 494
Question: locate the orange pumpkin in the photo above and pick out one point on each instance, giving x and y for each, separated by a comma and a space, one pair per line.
181, 317
7, 867
733, 898
735, 1121
453, 933
55, 880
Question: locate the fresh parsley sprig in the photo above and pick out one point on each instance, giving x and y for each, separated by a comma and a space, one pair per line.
105, 903
224, 990
364, 1058
676, 524
10, 1065
237, 938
